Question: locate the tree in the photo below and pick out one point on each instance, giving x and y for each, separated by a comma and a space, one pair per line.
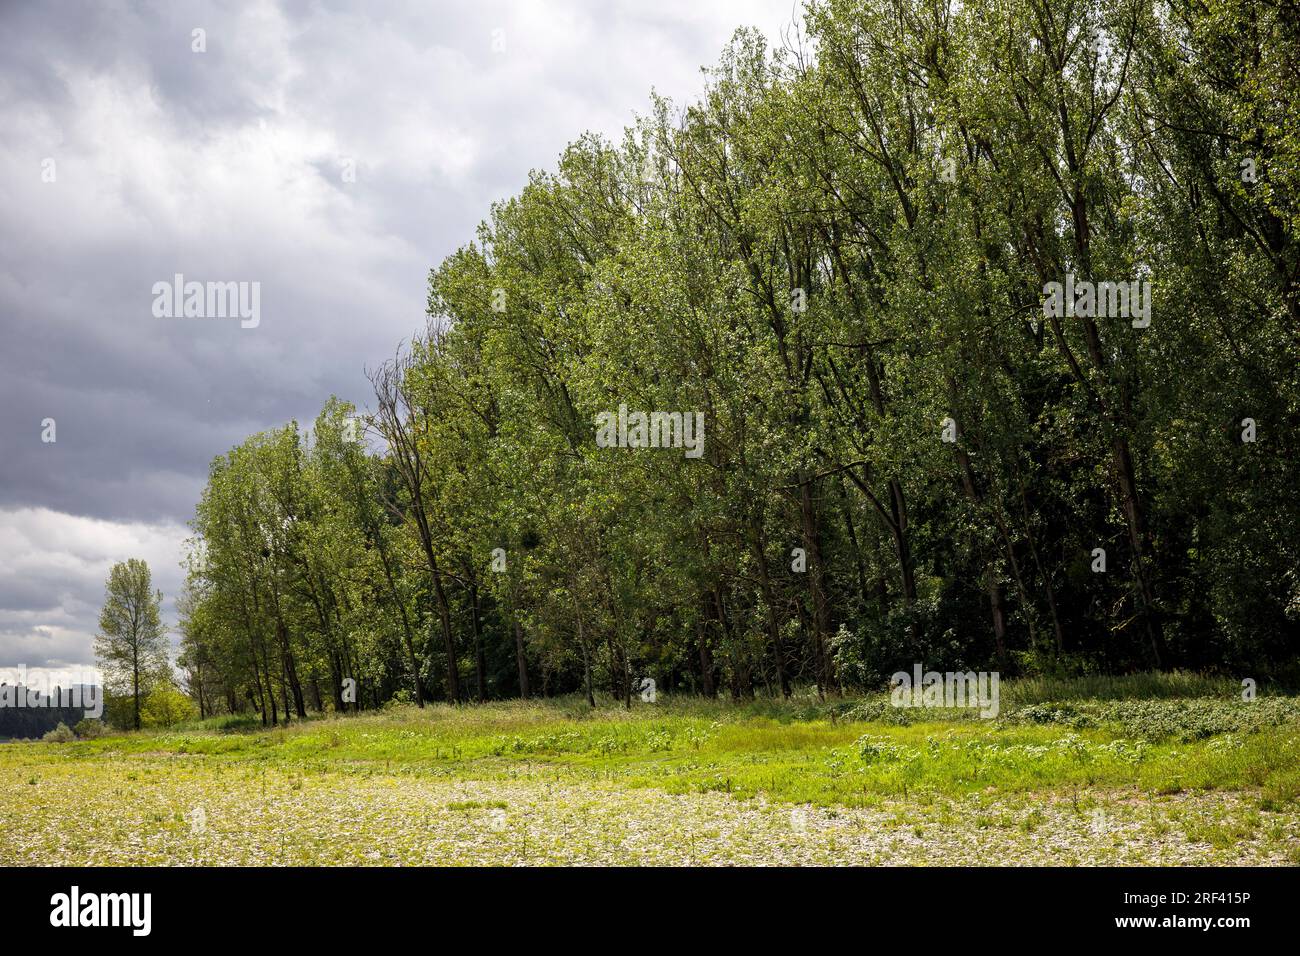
131, 647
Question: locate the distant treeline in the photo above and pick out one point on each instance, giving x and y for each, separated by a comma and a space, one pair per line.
22, 722
986, 320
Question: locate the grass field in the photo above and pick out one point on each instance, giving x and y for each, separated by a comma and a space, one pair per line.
1168, 770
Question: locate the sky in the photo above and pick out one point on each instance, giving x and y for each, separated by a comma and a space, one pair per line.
332, 152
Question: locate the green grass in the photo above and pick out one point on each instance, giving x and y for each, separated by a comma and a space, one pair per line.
1073, 745
1148, 686
800, 751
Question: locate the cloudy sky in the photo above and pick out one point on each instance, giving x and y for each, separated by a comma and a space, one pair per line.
127, 157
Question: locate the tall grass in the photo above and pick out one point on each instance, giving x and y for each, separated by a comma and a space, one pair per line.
1146, 686
512, 716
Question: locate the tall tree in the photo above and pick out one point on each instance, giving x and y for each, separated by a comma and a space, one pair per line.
131, 646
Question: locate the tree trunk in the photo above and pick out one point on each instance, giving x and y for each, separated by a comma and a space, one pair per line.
816, 586
480, 666
706, 657
444, 621
769, 600
521, 659
586, 663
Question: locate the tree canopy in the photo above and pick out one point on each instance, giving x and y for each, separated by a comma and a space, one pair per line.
988, 314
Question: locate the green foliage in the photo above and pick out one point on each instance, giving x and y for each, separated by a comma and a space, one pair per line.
166, 706
1183, 720
838, 256
88, 728
59, 735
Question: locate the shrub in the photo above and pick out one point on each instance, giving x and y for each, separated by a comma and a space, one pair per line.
1185, 720
59, 735
166, 706
880, 750
88, 728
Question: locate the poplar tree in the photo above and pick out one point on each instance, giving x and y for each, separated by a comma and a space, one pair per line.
131, 647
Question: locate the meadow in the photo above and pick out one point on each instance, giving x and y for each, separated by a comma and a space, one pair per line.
1171, 769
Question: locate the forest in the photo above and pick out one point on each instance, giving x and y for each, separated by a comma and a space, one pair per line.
984, 321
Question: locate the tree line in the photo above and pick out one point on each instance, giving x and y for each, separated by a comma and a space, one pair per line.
845, 261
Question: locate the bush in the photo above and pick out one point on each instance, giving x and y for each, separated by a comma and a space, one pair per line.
1186, 720
166, 706
88, 728
402, 697
59, 735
